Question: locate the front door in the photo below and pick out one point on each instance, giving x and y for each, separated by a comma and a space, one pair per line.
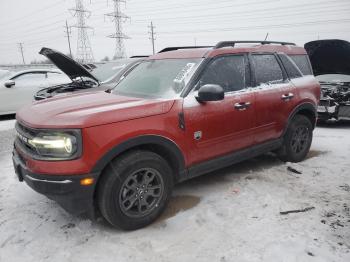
217, 128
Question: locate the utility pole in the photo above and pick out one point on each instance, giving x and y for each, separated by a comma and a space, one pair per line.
84, 50
118, 18
68, 32
20, 46
152, 35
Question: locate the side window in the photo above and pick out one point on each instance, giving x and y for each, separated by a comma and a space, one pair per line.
228, 71
302, 61
267, 69
291, 68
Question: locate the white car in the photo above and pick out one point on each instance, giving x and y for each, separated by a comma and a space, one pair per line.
17, 88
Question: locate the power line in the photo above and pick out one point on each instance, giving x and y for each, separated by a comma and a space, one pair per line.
255, 12
84, 50
251, 16
152, 35
35, 12
118, 18
219, 29
20, 47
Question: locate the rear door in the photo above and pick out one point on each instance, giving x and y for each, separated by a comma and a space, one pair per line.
217, 128
274, 95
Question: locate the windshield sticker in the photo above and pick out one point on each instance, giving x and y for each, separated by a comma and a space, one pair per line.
184, 72
179, 80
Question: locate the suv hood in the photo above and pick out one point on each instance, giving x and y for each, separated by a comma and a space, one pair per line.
329, 56
89, 109
70, 67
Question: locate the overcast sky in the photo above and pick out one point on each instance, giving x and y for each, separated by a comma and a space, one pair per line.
39, 23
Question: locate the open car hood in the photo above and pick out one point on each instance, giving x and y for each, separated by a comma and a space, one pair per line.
329, 56
70, 67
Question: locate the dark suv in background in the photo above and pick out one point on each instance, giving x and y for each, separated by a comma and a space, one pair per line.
177, 115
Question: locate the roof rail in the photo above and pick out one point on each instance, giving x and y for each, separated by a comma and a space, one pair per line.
139, 56
173, 48
232, 43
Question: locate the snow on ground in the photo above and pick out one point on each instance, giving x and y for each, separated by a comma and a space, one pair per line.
228, 215
7, 124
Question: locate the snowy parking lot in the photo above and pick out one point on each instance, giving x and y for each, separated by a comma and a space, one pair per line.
228, 215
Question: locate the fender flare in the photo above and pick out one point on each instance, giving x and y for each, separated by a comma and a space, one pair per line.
144, 140
307, 106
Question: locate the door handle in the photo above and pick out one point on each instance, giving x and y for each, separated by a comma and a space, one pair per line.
287, 97
242, 106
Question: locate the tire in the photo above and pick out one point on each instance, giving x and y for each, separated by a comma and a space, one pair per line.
297, 140
134, 189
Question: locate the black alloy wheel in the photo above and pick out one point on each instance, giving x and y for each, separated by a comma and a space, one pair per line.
141, 192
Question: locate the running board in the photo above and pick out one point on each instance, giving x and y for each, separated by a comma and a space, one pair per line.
230, 159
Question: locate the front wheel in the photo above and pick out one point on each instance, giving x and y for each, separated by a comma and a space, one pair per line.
297, 140
134, 189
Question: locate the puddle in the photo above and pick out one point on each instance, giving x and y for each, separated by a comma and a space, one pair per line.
178, 204
315, 153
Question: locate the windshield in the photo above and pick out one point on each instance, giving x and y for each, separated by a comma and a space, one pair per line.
158, 78
104, 72
333, 78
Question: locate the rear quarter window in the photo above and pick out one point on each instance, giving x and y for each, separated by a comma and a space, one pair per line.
302, 61
267, 69
290, 66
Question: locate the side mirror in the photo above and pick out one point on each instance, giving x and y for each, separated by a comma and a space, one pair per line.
210, 92
9, 83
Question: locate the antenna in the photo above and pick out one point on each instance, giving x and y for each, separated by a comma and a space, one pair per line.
84, 50
267, 35
118, 18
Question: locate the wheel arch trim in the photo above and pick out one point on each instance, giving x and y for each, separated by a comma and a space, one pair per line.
306, 106
144, 140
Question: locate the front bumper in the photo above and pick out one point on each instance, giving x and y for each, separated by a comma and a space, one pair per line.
66, 190
327, 110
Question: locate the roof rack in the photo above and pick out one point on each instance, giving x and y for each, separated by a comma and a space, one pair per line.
232, 43
173, 48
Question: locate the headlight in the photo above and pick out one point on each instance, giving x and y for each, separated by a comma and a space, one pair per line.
49, 144
54, 145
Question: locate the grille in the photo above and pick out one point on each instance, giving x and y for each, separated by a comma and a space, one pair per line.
23, 134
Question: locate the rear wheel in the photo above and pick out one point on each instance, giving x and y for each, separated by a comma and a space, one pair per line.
297, 140
134, 189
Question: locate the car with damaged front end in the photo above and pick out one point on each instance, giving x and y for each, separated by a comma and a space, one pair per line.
330, 61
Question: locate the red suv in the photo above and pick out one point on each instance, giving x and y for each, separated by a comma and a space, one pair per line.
177, 115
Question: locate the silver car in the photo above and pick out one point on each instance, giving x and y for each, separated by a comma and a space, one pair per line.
17, 88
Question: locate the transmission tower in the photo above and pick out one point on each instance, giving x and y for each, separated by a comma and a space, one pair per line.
118, 18
84, 50
20, 47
